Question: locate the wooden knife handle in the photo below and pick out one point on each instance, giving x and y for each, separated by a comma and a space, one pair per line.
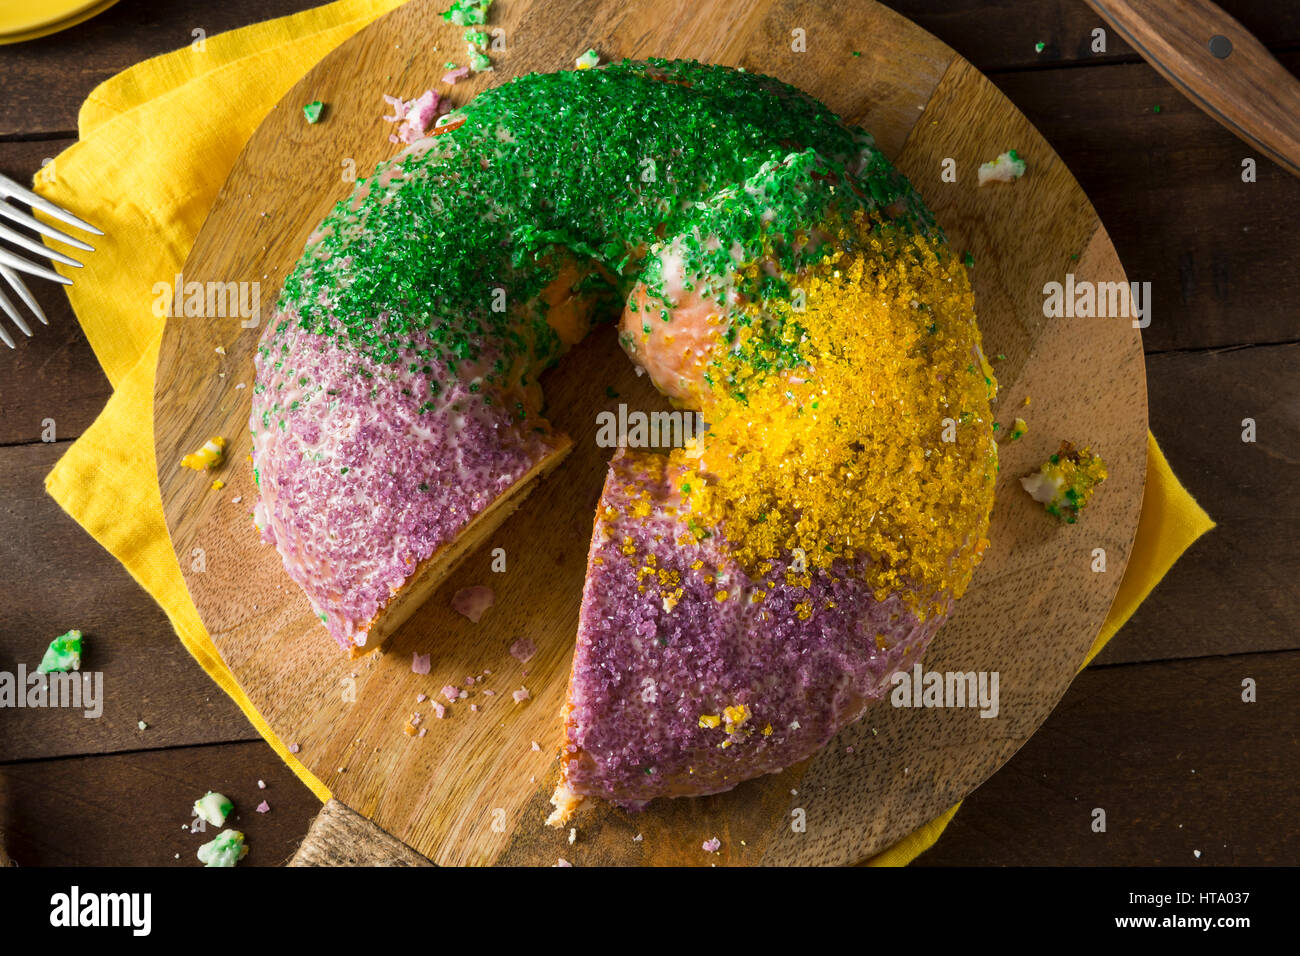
1218, 65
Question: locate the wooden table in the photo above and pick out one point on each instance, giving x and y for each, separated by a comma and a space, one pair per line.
1155, 732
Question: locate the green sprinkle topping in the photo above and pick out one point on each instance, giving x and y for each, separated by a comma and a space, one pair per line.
516, 189
313, 110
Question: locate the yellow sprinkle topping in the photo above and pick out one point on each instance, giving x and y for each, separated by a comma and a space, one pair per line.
857, 426
735, 716
709, 721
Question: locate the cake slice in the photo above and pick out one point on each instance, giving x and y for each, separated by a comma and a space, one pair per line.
373, 493
690, 676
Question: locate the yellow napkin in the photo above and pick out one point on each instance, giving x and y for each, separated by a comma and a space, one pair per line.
156, 143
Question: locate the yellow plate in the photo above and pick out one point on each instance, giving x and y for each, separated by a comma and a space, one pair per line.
24, 20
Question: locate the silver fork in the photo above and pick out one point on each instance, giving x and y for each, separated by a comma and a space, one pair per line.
11, 264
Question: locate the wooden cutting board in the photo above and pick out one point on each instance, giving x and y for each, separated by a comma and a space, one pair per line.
474, 789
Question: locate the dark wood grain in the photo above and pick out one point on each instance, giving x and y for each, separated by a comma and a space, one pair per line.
1169, 751
58, 578
999, 35
134, 809
1236, 590
1220, 253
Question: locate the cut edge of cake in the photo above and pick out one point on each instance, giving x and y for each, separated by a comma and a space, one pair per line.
430, 573
565, 800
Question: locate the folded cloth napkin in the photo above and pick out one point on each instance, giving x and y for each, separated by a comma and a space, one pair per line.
137, 168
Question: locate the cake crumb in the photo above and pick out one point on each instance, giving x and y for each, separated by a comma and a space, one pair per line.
471, 602
226, 849
208, 457
63, 655
1065, 483
1007, 168
213, 808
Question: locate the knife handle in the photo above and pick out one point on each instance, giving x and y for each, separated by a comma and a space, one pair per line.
1218, 65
